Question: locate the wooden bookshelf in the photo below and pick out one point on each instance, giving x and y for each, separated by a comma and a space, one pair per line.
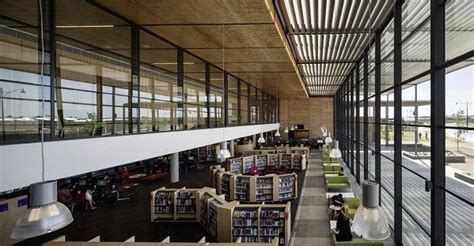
287, 185
234, 165
247, 163
225, 221
273, 160
249, 188
261, 162
241, 188
286, 160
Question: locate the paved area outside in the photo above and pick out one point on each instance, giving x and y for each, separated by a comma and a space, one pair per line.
311, 226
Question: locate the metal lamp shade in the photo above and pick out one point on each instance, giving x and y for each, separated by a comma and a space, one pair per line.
286, 130
277, 133
335, 152
45, 214
261, 140
369, 220
225, 153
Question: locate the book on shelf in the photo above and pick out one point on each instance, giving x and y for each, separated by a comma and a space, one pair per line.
242, 189
164, 202
272, 159
272, 224
264, 189
204, 209
286, 187
235, 165
225, 185
248, 162
261, 162
296, 162
212, 226
285, 160
245, 225
185, 202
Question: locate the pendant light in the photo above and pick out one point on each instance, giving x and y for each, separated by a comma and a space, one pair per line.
225, 153
369, 220
286, 130
45, 214
328, 139
277, 133
261, 139
296, 127
292, 128
335, 152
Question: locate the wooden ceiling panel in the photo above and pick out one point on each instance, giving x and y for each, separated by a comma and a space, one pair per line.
241, 55
145, 12
216, 36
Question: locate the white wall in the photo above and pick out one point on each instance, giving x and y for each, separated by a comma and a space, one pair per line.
20, 164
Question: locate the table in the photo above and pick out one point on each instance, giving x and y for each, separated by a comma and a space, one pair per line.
344, 194
137, 176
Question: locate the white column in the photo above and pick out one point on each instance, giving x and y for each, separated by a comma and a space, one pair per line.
223, 146
232, 148
174, 168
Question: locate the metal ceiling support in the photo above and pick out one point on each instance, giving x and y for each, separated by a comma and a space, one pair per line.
352, 120
397, 76
438, 108
208, 93
366, 116
377, 114
357, 105
226, 99
135, 85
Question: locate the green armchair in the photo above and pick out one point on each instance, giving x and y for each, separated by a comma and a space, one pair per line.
355, 241
351, 204
332, 169
338, 182
326, 158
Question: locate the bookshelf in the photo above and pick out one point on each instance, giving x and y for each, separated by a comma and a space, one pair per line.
296, 163
242, 188
264, 188
207, 153
247, 163
225, 221
287, 187
273, 160
204, 208
224, 187
186, 204
213, 218
274, 222
245, 224
285, 160
234, 165
163, 205
261, 162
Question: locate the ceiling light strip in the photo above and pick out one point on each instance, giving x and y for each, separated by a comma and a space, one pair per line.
330, 14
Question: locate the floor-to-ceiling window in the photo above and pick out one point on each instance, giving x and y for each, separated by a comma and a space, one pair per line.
410, 101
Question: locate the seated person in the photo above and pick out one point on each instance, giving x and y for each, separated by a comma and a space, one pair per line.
341, 172
343, 228
64, 195
337, 200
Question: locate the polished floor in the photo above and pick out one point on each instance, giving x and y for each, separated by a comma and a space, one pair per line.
311, 225
132, 217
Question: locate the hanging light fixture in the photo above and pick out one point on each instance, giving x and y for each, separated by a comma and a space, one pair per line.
335, 152
292, 128
286, 130
45, 214
225, 153
328, 139
369, 220
296, 127
261, 139
277, 133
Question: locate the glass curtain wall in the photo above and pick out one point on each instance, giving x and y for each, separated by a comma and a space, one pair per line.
108, 77
402, 83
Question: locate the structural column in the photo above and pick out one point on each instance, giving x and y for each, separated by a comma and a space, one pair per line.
223, 146
174, 168
232, 153
438, 108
